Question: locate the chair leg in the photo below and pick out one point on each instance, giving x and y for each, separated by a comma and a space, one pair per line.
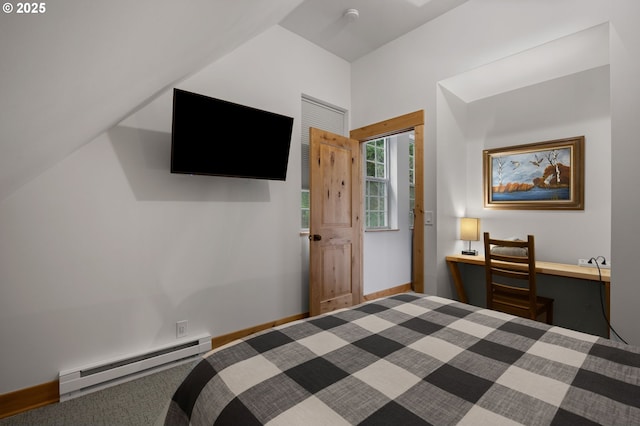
550, 313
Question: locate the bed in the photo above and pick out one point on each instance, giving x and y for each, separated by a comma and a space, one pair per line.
413, 359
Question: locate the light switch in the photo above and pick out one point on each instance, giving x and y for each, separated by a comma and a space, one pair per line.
428, 218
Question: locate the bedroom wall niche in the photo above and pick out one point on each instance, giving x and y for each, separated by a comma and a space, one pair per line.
575, 101
571, 103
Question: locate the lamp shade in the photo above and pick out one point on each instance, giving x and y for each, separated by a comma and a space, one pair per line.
469, 229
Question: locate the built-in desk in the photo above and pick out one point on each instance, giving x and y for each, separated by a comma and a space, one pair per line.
547, 268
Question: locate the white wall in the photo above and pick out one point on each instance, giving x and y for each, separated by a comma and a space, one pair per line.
576, 105
480, 32
105, 251
625, 150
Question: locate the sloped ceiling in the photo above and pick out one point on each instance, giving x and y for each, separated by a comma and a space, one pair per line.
80, 67
574, 53
379, 21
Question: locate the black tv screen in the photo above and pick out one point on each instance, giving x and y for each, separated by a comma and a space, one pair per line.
220, 138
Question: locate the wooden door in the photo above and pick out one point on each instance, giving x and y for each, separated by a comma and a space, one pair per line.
335, 266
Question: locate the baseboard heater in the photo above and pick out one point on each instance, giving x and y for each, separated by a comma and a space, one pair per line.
81, 381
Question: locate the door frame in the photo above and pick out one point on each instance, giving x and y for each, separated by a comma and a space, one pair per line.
413, 121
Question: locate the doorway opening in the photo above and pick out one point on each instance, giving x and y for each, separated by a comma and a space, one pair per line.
389, 199
412, 123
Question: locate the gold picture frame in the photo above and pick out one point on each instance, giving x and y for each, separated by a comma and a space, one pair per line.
537, 176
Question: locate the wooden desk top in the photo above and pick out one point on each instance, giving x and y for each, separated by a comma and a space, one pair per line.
548, 268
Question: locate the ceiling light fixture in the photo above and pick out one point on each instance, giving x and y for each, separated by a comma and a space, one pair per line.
419, 3
351, 14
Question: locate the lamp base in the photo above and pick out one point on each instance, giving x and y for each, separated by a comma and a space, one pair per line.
470, 252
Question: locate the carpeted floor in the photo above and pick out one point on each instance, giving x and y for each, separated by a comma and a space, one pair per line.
136, 403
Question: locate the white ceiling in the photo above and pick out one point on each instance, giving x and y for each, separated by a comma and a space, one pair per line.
71, 74
77, 70
323, 23
567, 55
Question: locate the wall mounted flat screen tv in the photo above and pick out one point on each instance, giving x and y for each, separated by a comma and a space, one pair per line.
219, 138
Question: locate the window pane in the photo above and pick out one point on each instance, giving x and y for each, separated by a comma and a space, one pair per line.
373, 203
371, 169
373, 189
371, 153
376, 184
304, 209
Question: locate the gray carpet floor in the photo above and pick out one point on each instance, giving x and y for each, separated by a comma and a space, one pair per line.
139, 402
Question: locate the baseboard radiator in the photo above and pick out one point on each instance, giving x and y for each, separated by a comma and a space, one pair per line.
81, 381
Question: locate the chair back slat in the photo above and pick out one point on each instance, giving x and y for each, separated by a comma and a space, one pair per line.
519, 272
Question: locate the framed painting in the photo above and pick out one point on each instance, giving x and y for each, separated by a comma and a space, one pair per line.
538, 176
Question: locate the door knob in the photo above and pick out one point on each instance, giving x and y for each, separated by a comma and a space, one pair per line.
315, 237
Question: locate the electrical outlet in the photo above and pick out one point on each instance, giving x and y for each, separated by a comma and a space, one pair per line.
181, 329
585, 263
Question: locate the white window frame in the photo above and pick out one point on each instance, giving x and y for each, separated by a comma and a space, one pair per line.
385, 180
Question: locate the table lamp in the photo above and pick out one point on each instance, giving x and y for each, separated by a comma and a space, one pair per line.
470, 231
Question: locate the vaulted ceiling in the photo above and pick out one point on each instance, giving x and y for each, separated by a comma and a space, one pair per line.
74, 71
79, 68
373, 24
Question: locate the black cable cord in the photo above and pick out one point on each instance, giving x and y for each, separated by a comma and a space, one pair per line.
601, 284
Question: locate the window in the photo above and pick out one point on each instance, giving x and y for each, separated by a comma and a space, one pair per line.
321, 116
377, 184
389, 181
305, 209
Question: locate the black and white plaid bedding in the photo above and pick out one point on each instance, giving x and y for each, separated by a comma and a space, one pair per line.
413, 359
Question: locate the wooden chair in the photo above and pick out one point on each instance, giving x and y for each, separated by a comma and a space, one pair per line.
511, 279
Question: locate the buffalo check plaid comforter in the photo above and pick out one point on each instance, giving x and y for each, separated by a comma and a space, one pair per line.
413, 359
